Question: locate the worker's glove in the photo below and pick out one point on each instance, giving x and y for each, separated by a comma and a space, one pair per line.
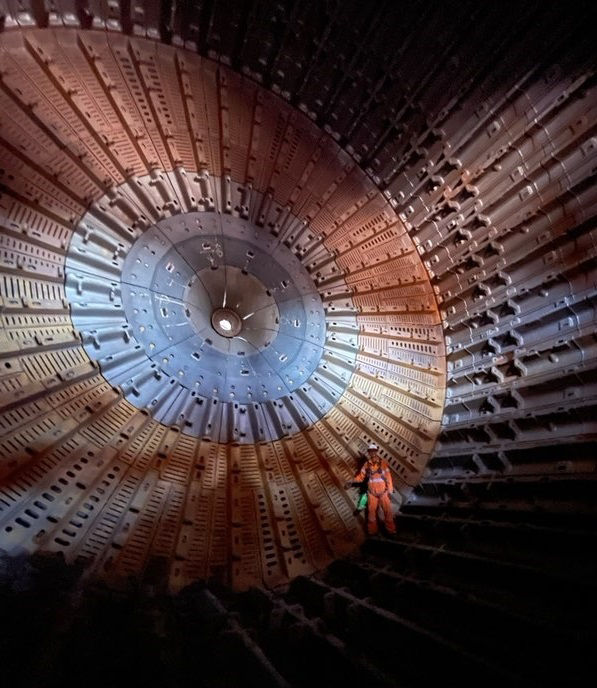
347, 485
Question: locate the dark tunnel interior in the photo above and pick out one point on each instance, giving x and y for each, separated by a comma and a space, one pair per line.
240, 242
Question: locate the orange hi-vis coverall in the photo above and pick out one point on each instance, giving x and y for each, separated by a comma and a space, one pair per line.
380, 487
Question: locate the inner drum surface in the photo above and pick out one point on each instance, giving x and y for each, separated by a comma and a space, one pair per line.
235, 311
179, 280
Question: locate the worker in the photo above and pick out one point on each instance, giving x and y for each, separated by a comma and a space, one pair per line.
379, 488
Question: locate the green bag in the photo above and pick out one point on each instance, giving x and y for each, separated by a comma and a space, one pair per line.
362, 503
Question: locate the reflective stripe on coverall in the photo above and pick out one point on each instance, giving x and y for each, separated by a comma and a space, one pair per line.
378, 494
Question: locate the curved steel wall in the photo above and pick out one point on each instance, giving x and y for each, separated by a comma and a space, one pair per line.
116, 150
477, 124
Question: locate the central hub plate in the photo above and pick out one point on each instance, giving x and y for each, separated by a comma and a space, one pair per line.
232, 294
215, 324
224, 309
226, 322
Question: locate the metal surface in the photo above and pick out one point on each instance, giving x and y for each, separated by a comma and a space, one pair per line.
227, 322
463, 173
176, 280
144, 180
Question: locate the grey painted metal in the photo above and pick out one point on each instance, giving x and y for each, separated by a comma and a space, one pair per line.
145, 303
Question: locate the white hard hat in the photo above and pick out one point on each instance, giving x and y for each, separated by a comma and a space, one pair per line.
373, 446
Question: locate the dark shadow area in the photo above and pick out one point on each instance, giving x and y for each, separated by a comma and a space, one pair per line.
455, 597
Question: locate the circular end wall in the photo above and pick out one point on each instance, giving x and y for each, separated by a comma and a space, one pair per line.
144, 190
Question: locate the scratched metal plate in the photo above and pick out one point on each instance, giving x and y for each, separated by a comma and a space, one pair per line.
143, 303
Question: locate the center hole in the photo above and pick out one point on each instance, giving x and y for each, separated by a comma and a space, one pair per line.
225, 324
